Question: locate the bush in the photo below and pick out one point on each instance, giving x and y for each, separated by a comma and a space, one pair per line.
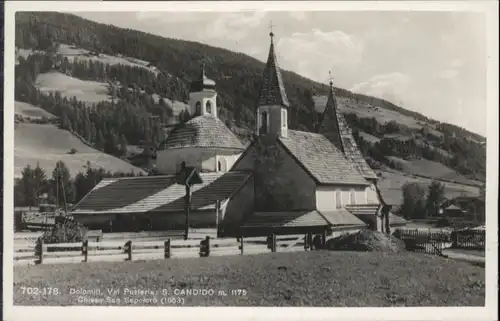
67, 231
72, 151
366, 241
443, 222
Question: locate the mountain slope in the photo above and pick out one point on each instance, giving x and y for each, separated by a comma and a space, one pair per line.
163, 67
46, 144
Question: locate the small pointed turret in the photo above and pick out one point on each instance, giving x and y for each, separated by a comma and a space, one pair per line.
334, 127
329, 125
202, 82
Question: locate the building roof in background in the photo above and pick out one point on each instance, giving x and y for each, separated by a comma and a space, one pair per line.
158, 194
396, 220
204, 131
324, 162
453, 207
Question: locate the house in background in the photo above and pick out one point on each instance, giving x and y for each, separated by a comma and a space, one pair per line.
453, 211
469, 207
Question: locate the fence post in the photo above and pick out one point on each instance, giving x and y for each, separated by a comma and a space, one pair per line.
128, 249
85, 250
205, 247
208, 245
241, 244
323, 238
39, 250
167, 249
273, 240
305, 242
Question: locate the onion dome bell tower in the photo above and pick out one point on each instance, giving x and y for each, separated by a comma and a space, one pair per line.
202, 95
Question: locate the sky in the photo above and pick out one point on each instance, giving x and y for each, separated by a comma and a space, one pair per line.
433, 62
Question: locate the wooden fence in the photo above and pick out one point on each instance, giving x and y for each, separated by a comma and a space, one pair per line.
469, 239
120, 250
424, 241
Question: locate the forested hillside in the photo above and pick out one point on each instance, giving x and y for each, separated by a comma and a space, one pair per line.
136, 92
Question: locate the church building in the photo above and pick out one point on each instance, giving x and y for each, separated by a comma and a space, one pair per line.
203, 142
286, 181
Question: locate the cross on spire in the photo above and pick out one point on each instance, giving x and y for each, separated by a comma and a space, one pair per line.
271, 28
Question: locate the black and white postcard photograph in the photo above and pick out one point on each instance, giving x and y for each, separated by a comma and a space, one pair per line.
287, 160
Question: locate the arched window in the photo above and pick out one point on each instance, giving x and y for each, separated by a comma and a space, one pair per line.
338, 199
283, 118
208, 107
263, 123
353, 197
198, 109
221, 165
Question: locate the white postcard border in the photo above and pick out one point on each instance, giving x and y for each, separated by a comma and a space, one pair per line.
489, 8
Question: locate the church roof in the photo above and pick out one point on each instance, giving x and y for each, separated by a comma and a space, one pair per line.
272, 91
204, 131
158, 194
321, 159
334, 126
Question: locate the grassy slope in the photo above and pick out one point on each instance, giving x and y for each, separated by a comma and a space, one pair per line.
367, 110
391, 183
369, 138
87, 91
28, 110
48, 144
280, 279
432, 169
90, 91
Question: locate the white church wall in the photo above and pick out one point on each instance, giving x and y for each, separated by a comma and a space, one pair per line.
371, 195
327, 197
169, 161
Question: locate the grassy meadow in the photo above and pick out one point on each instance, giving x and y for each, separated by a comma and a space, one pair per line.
47, 144
318, 278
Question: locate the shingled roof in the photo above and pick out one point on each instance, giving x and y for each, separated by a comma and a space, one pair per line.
285, 219
371, 209
325, 163
363, 209
158, 194
272, 91
309, 218
203, 131
396, 220
334, 126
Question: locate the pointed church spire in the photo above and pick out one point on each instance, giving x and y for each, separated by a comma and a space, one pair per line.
272, 91
202, 71
329, 125
334, 127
